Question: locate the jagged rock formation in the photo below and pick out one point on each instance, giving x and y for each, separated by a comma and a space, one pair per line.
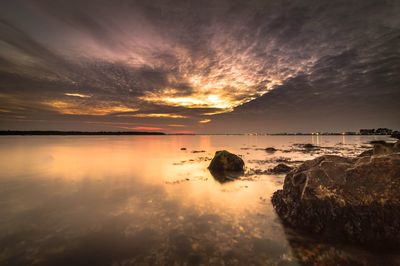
353, 199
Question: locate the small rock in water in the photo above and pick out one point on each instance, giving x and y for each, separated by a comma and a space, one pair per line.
309, 146
226, 161
270, 150
198, 151
226, 166
281, 169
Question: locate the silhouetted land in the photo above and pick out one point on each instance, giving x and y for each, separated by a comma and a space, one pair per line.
63, 133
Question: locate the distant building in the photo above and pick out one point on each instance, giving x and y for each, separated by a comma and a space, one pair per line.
383, 131
367, 131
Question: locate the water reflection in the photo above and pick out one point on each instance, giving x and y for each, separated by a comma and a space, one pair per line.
308, 250
225, 176
140, 200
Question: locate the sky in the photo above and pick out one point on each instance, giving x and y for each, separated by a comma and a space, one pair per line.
181, 66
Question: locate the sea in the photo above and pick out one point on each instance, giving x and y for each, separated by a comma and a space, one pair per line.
150, 200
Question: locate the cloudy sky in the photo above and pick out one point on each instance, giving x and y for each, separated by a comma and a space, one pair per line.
216, 66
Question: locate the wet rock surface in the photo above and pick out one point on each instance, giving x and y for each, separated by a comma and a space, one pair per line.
382, 147
309, 146
270, 150
280, 169
351, 199
226, 166
226, 161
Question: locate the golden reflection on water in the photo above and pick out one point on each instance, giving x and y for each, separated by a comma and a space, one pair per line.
64, 199
150, 159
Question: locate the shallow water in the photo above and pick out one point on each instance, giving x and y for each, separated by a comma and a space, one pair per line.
141, 200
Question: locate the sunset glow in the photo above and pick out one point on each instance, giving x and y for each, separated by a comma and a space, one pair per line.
78, 108
199, 132
240, 67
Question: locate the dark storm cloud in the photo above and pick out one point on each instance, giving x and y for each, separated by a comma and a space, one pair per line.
341, 92
138, 61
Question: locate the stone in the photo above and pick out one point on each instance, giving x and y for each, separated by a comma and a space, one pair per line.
280, 169
383, 148
366, 153
354, 200
396, 146
309, 146
200, 151
395, 134
226, 161
270, 150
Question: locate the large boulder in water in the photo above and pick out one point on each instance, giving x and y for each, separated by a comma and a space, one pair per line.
351, 199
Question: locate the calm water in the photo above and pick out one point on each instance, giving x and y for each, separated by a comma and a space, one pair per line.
141, 200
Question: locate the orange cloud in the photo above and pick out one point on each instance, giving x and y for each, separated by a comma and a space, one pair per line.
83, 108
176, 125
80, 95
204, 121
145, 128
154, 115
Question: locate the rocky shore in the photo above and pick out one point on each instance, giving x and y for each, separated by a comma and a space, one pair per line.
355, 200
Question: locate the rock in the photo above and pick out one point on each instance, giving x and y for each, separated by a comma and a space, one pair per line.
385, 148
395, 134
309, 146
366, 153
280, 169
381, 147
201, 151
347, 199
183, 149
226, 166
396, 146
226, 161
270, 150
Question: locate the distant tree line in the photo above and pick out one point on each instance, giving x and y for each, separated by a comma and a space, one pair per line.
63, 133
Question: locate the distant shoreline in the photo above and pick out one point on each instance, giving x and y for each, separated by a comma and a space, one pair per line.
142, 133
75, 133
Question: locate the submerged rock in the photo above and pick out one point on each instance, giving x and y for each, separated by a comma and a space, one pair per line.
352, 199
200, 151
280, 169
226, 166
270, 150
309, 146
